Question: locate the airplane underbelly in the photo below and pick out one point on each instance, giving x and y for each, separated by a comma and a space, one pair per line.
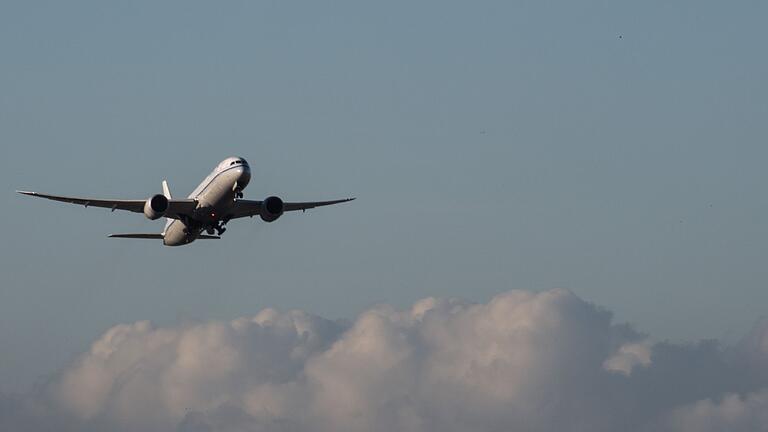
176, 235
219, 195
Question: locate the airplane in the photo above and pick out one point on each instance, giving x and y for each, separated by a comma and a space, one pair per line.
216, 201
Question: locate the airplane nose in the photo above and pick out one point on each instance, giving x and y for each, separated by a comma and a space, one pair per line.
244, 178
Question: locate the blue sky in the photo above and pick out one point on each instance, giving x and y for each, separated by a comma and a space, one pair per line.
492, 145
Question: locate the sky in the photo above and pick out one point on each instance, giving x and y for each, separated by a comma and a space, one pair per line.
613, 149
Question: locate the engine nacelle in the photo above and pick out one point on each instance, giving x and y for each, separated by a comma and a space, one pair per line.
155, 207
271, 209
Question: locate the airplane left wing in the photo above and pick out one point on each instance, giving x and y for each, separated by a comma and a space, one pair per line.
243, 208
176, 207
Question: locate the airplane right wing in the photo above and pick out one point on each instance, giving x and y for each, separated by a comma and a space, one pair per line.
176, 207
245, 208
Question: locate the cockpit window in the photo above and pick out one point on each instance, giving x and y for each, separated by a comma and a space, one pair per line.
235, 162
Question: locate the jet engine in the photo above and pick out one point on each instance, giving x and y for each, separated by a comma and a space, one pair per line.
271, 209
155, 207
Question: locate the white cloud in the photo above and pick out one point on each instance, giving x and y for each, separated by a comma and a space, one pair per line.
524, 361
733, 413
628, 357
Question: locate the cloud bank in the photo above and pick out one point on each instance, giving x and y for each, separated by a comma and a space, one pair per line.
524, 361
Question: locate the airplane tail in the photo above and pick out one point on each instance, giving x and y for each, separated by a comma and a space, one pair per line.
166, 189
167, 193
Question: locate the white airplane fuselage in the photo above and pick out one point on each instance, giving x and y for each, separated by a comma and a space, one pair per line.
215, 198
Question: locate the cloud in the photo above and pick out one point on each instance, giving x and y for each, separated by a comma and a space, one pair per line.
524, 361
628, 357
732, 413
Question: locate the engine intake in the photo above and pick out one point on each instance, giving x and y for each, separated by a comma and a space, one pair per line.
271, 209
155, 207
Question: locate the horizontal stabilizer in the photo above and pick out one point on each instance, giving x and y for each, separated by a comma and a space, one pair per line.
138, 236
159, 236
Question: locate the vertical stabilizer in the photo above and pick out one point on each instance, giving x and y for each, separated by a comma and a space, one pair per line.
167, 193
166, 189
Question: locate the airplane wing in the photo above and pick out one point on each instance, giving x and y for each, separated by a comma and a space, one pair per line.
245, 208
176, 207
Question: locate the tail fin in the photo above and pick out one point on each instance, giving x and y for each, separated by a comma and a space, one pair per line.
166, 189
167, 193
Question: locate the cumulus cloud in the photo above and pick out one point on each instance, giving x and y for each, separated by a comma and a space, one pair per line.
732, 413
524, 361
629, 356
